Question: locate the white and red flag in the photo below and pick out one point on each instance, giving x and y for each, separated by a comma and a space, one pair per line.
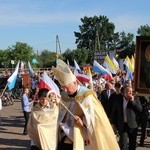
82, 77
48, 83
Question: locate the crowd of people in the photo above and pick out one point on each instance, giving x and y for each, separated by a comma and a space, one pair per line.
125, 110
105, 117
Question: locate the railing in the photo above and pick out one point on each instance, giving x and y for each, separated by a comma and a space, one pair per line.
6, 70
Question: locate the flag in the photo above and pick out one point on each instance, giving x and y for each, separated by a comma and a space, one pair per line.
129, 73
109, 65
31, 72
100, 69
127, 62
90, 75
22, 67
129, 68
81, 77
48, 83
12, 79
115, 63
76, 66
132, 61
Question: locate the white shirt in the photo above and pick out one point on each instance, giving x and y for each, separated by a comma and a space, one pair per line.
108, 93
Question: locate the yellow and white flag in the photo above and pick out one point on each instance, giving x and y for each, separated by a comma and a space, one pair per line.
90, 75
128, 63
132, 61
115, 63
109, 65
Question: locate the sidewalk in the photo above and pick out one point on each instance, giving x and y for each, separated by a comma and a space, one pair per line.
11, 128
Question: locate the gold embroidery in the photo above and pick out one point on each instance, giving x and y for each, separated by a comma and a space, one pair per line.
85, 94
86, 106
79, 97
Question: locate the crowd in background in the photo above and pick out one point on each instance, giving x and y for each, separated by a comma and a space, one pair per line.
110, 93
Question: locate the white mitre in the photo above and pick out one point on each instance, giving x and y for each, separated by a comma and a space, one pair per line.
63, 73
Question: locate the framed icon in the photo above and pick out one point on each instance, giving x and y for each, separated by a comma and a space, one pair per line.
142, 66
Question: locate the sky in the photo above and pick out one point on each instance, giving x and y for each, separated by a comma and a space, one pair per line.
38, 22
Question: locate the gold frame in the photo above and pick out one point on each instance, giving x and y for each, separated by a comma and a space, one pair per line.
141, 74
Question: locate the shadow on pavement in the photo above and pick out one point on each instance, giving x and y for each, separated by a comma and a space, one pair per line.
21, 144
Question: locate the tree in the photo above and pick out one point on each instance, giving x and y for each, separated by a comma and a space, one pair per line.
47, 58
80, 55
93, 28
126, 45
144, 30
68, 56
5, 58
20, 51
114, 42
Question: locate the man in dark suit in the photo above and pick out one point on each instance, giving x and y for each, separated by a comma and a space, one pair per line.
105, 94
113, 97
123, 118
145, 102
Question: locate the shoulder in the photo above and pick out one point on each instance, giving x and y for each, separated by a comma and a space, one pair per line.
24, 96
112, 90
85, 94
82, 89
104, 91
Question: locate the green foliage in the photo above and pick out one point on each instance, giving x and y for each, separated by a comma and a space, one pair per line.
68, 56
97, 33
5, 61
144, 30
126, 45
47, 58
80, 55
21, 51
91, 28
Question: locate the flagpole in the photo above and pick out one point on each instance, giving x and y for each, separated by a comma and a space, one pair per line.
71, 113
4, 90
68, 110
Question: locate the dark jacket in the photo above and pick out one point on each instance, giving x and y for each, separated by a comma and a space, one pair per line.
133, 109
105, 100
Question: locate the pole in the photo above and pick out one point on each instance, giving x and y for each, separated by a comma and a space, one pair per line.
4, 90
68, 110
51, 91
71, 114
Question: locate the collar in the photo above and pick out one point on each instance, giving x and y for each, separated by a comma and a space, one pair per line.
75, 93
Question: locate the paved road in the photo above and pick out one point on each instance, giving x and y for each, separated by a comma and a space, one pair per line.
11, 137
11, 129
